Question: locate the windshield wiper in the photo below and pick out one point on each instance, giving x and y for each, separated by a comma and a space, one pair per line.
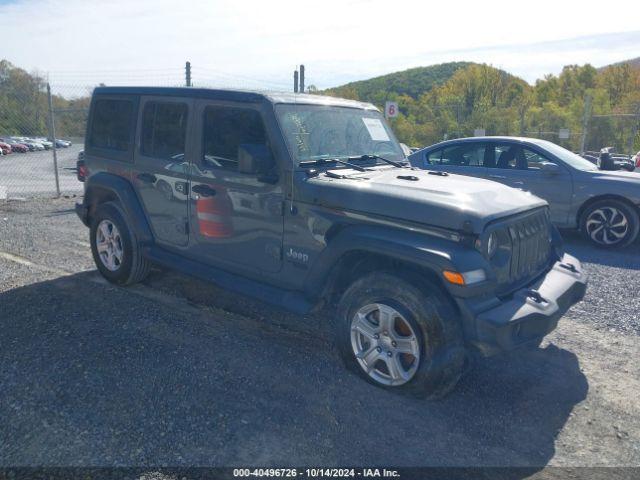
324, 161
378, 157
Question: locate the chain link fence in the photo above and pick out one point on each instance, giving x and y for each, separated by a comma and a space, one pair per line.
42, 133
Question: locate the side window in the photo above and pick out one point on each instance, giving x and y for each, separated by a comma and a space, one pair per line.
164, 130
225, 129
506, 156
111, 124
532, 160
465, 155
433, 158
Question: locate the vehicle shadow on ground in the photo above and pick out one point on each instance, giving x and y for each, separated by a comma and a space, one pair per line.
583, 250
98, 375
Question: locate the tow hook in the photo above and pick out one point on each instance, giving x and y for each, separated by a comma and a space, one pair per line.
535, 296
569, 266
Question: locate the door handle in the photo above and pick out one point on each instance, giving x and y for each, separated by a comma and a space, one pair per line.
497, 176
146, 177
204, 190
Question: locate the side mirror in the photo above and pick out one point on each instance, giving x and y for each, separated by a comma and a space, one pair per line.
257, 159
550, 168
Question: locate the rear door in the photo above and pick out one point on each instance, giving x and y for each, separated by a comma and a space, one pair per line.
465, 158
236, 218
161, 177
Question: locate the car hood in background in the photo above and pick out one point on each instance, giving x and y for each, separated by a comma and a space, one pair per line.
450, 201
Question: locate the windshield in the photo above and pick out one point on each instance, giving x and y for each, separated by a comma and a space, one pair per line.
314, 132
570, 158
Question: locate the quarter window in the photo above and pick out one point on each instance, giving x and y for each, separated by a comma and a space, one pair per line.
225, 130
164, 130
111, 124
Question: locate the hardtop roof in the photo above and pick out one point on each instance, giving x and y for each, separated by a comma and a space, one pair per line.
247, 96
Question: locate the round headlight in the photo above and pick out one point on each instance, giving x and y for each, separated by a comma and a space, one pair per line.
492, 244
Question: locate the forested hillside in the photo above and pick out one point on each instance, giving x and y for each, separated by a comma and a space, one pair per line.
482, 97
24, 107
437, 102
413, 82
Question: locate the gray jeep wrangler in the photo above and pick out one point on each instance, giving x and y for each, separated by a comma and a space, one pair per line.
306, 202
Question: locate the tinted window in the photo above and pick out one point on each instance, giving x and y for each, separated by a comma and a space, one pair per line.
225, 130
506, 156
111, 125
532, 160
433, 158
164, 129
465, 155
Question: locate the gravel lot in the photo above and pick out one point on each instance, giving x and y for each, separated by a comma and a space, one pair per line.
32, 174
177, 372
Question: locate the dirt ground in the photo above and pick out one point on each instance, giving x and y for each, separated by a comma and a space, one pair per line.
178, 372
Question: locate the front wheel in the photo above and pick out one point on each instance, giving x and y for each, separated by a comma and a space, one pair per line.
400, 337
610, 224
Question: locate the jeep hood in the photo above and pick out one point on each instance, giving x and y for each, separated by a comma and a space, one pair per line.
446, 201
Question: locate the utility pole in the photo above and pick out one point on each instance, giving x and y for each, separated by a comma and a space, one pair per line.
301, 78
187, 71
295, 81
585, 121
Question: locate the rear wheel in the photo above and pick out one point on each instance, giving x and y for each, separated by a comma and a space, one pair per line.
114, 246
610, 223
397, 336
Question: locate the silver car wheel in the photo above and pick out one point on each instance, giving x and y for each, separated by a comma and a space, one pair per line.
607, 225
385, 344
109, 245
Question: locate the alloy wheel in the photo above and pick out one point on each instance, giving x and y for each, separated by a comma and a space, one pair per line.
109, 245
385, 345
607, 225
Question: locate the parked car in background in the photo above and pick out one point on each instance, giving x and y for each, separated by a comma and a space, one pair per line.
46, 143
604, 205
62, 143
15, 146
637, 160
37, 146
5, 147
617, 161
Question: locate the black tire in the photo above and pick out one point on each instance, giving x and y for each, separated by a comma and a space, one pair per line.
431, 316
134, 267
600, 211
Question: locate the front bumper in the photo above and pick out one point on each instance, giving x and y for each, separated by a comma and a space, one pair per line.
532, 312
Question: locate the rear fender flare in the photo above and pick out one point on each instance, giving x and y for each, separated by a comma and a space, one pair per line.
108, 187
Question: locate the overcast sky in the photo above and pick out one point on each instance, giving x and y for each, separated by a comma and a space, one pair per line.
248, 43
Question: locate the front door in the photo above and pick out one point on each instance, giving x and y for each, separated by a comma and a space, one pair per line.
161, 169
236, 218
521, 167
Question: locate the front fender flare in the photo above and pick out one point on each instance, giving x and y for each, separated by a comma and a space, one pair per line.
424, 251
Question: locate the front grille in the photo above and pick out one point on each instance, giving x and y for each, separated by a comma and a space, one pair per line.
530, 237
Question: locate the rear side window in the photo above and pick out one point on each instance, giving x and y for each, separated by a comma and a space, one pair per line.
225, 130
465, 155
111, 124
164, 130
